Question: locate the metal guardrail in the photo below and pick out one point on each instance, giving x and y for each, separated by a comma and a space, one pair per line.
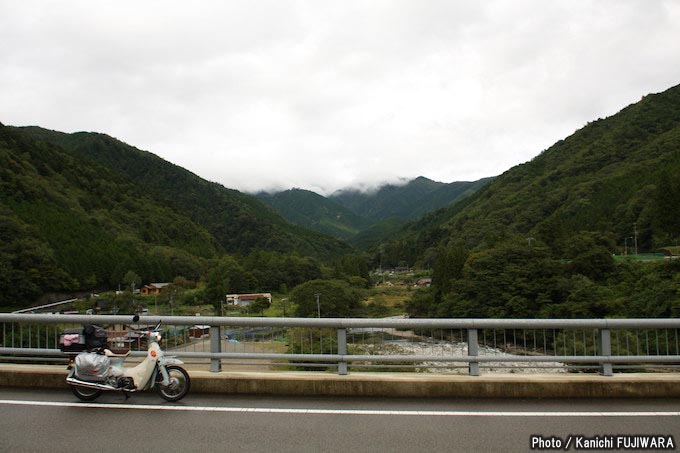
393, 343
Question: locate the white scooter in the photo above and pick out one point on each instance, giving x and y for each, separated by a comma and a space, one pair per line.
94, 372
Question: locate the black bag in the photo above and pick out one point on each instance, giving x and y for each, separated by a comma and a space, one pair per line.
72, 340
95, 337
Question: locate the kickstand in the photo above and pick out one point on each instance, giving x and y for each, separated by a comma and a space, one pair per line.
127, 395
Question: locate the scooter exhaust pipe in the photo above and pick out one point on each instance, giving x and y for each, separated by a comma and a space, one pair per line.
94, 385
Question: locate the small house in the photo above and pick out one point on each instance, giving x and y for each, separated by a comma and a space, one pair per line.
244, 300
199, 331
424, 282
154, 288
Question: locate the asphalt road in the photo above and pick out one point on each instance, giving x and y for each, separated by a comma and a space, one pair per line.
56, 421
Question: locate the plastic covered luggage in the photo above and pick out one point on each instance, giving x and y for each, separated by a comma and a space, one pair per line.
90, 366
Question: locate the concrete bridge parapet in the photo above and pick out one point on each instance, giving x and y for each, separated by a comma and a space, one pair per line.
407, 385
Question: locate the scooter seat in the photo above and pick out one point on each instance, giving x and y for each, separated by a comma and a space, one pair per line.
110, 353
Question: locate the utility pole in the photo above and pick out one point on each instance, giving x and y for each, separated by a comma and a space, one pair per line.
625, 245
284, 302
132, 298
635, 229
318, 305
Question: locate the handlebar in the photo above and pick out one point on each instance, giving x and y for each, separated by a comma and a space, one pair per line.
135, 319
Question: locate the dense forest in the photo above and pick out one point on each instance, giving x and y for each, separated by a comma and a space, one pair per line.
78, 211
238, 222
615, 176
540, 240
554, 237
407, 201
515, 280
311, 210
365, 218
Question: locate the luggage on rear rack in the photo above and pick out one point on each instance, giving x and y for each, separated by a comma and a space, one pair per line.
95, 337
72, 341
78, 340
90, 366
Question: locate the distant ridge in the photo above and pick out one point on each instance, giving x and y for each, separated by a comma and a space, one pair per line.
348, 213
77, 211
616, 178
313, 211
409, 201
239, 222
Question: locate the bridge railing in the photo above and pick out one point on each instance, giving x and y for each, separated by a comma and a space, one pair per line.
395, 344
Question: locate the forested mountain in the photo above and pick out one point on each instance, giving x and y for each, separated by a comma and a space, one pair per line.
311, 210
407, 202
616, 176
366, 218
79, 210
539, 240
239, 222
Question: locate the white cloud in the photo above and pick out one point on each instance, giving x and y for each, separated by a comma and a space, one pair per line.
321, 95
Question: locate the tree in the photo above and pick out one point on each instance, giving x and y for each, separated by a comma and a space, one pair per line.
421, 304
586, 300
350, 266
336, 299
260, 305
448, 267
666, 202
590, 255
511, 280
228, 276
131, 278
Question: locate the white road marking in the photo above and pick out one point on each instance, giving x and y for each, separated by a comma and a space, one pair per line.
312, 411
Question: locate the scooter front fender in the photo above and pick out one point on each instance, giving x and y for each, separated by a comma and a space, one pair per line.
171, 360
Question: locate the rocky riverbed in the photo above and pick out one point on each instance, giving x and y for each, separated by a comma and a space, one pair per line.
456, 349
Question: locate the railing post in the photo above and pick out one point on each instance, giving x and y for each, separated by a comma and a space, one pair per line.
473, 351
215, 348
342, 350
605, 350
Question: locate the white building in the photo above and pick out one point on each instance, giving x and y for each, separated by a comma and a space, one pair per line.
243, 300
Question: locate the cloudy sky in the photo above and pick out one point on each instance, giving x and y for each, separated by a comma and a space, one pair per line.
328, 94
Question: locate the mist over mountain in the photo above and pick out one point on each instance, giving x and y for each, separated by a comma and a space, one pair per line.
313, 211
79, 210
349, 214
408, 201
618, 178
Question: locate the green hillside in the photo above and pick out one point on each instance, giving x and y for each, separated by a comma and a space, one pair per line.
614, 176
539, 240
67, 224
366, 218
311, 210
239, 223
77, 211
445, 196
407, 202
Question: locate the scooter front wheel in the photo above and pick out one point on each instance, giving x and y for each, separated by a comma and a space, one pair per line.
85, 394
179, 384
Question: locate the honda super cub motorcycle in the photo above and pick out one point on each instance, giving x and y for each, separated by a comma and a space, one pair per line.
98, 369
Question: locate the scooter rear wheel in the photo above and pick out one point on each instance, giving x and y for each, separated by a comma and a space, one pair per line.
179, 384
85, 394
